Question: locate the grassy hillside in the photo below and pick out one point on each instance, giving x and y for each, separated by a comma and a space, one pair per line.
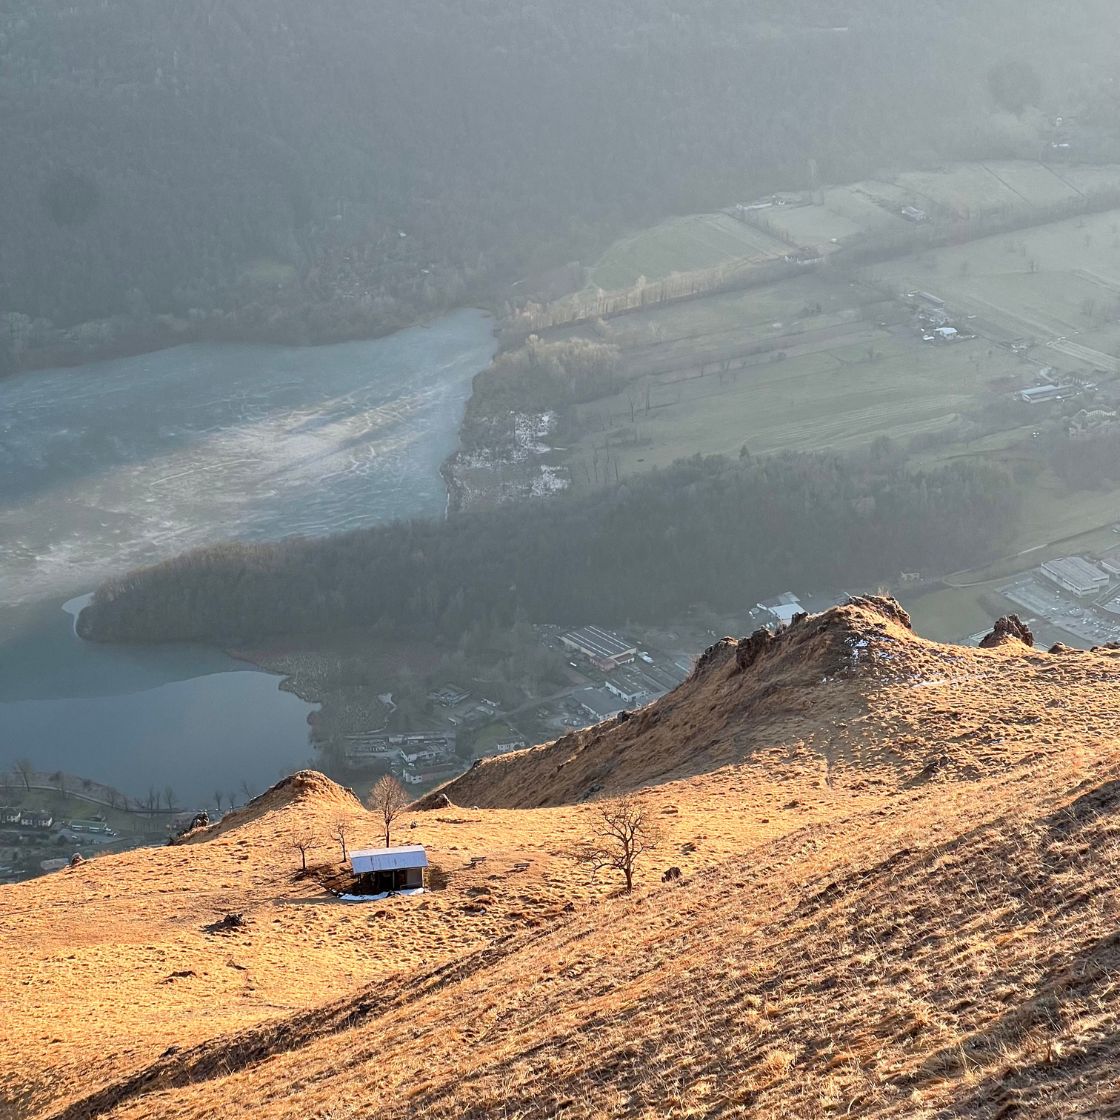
898, 899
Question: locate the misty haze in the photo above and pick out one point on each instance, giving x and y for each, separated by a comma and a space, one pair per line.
399, 404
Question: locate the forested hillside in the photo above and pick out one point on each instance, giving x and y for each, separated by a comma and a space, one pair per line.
704, 531
303, 172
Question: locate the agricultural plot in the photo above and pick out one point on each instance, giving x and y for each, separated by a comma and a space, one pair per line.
1038, 184
949, 615
1089, 178
818, 225
962, 190
680, 333
1057, 286
965, 190
866, 384
682, 245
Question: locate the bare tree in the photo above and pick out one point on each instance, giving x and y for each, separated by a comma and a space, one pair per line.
26, 771
341, 833
218, 797
303, 844
387, 799
169, 798
623, 832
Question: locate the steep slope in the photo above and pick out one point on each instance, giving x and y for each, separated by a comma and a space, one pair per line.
899, 898
941, 957
853, 687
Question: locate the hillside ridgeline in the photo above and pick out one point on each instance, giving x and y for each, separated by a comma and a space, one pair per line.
897, 898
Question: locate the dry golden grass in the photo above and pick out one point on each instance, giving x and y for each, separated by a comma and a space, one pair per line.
899, 899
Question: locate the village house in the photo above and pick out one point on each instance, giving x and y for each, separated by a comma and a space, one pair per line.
382, 748
379, 872
1094, 423
599, 704
634, 686
449, 695
37, 818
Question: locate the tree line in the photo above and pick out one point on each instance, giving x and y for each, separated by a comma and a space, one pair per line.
536, 377
708, 530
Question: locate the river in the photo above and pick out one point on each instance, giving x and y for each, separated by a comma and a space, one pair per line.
115, 464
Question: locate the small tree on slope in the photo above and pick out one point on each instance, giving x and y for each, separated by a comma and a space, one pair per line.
624, 831
388, 799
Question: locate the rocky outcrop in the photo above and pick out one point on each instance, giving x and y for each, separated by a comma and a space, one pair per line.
886, 605
715, 655
751, 649
1009, 628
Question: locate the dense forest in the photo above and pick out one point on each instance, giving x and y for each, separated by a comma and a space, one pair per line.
303, 172
707, 530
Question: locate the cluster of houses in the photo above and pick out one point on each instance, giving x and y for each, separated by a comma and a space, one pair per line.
1093, 423
37, 820
419, 757
1058, 387
932, 320
631, 679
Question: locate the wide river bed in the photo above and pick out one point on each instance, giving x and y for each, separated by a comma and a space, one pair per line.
121, 463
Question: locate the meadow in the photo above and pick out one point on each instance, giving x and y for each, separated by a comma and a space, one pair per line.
842, 382
685, 244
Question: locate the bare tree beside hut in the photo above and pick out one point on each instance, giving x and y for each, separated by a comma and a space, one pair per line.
388, 799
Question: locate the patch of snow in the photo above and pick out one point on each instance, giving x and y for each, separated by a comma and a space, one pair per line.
378, 897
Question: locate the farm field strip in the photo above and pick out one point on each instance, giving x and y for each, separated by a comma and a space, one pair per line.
795, 344
1027, 318
786, 301
1098, 359
1109, 283
746, 331
685, 244
790, 404
723, 425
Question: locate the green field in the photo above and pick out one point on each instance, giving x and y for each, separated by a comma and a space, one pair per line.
839, 214
867, 383
682, 245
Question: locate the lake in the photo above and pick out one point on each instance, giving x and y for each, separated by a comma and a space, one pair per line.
116, 464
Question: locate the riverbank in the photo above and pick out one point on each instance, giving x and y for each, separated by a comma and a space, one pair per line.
104, 340
132, 462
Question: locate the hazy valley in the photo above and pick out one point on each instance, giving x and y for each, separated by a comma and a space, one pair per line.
398, 404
